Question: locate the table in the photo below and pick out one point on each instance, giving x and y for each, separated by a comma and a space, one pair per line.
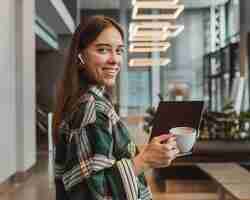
230, 178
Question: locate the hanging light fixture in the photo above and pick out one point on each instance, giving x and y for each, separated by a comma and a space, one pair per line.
172, 10
148, 62
175, 30
147, 38
170, 2
149, 46
135, 27
150, 28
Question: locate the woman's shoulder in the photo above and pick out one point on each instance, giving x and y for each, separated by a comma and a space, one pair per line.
88, 108
92, 108
84, 112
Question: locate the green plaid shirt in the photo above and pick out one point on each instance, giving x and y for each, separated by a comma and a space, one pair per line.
95, 150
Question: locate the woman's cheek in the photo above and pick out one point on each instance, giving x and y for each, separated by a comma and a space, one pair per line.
99, 60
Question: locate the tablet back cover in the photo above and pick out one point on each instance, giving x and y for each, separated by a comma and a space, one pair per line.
172, 114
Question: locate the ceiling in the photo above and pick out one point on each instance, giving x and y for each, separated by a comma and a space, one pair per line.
52, 15
115, 4
100, 4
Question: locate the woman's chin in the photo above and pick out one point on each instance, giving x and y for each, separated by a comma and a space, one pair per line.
109, 83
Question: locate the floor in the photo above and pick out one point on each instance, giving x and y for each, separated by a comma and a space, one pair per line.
36, 187
39, 185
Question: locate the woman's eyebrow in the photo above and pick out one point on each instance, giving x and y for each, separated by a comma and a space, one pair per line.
108, 45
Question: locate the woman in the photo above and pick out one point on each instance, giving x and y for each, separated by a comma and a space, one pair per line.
95, 157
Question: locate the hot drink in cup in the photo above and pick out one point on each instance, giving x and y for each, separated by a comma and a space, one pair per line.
185, 138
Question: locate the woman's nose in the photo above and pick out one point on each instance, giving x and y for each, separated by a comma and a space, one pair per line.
114, 58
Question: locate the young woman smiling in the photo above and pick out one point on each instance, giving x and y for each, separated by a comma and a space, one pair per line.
95, 157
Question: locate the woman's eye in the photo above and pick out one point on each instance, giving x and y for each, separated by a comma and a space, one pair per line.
119, 51
102, 50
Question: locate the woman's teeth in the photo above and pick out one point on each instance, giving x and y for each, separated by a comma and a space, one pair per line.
110, 71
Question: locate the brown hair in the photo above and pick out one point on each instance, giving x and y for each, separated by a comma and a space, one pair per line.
73, 81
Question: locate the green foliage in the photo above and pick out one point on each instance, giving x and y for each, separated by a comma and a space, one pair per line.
245, 116
228, 107
150, 115
148, 119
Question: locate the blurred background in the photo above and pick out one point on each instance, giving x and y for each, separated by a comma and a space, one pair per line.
204, 56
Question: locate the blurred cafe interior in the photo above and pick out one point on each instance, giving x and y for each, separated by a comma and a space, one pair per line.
176, 50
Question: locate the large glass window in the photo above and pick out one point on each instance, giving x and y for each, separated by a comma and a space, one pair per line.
139, 91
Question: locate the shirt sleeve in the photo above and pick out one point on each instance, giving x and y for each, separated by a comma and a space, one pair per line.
106, 175
116, 175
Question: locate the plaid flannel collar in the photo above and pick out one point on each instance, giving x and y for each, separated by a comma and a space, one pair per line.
100, 92
97, 90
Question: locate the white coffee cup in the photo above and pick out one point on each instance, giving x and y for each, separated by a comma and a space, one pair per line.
185, 138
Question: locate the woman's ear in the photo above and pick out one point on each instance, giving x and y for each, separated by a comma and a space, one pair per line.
81, 59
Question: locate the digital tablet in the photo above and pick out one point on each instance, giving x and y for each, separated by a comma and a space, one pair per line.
172, 114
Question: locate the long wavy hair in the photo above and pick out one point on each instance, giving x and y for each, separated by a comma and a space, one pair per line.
74, 81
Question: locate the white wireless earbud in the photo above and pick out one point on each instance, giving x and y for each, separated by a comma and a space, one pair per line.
81, 59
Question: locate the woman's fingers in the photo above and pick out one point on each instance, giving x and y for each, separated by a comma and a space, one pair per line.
165, 161
165, 164
162, 138
166, 154
160, 151
169, 145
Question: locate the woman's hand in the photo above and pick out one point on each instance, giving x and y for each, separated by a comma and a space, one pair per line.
158, 153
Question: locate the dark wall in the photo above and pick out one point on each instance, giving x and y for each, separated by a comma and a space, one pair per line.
114, 13
49, 69
244, 15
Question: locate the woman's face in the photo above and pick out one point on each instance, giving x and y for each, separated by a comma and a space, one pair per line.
103, 57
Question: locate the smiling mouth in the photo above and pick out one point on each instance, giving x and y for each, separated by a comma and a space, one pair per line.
112, 72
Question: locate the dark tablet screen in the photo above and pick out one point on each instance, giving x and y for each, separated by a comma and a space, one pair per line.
172, 114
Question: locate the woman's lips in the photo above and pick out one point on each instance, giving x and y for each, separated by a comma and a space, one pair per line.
110, 71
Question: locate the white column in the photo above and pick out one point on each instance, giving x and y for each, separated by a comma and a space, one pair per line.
212, 28
233, 19
25, 82
123, 78
214, 47
7, 90
222, 26
155, 78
